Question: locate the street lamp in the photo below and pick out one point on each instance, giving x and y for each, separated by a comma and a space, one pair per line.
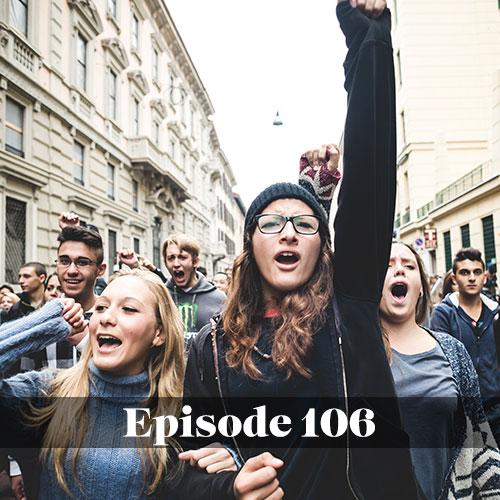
277, 120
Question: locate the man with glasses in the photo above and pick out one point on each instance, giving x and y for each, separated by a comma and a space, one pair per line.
470, 316
79, 263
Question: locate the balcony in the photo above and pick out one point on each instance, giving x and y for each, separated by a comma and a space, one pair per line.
423, 211
18, 52
461, 185
406, 216
144, 153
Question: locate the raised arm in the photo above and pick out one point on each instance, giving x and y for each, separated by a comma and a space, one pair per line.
364, 220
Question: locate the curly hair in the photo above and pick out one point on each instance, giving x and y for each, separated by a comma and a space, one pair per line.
302, 312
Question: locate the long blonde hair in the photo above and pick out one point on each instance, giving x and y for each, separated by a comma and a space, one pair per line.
67, 419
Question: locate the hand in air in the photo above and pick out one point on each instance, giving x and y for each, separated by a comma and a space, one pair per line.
128, 257
371, 8
327, 153
257, 479
68, 219
214, 458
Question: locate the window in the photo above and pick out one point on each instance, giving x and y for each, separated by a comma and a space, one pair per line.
110, 180
81, 66
403, 127
14, 128
157, 242
155, 64
112, 95
112, 7
447, 250
400, 71
465, 236
134, 42
135, 196
19, 16
78, 151
172, 150
489, 240
137, 247
111, 250
15, 238
135, 117
156, 133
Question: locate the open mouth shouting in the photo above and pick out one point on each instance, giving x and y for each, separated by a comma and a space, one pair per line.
107, 343
287, 259
399, 291
179, 277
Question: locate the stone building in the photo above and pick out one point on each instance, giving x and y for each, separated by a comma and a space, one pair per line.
102, 113
446, 58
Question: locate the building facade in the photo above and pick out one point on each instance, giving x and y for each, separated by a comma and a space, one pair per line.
446, 58
102, 113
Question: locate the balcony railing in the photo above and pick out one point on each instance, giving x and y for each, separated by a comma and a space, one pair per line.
423, 211
406, 216
468, 181
17, 50
461, 185
142, 150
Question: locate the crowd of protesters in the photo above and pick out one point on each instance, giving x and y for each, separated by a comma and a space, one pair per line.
291, 319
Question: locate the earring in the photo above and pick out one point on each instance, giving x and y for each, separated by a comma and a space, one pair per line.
421, 294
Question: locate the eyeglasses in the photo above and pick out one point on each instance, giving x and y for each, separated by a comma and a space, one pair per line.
274, 223
466, 272
80, 262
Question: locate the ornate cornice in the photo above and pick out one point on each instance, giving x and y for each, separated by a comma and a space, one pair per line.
88, 11
116, 49
138, 77
159, 106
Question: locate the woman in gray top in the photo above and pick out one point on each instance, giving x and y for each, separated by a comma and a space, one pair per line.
452, 448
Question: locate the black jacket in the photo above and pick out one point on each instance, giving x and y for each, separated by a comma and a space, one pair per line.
363, 235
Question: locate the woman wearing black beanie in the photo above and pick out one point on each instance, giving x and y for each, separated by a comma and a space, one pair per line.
301, 321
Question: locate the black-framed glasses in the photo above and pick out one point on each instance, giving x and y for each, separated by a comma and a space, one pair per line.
274, 223
80, 262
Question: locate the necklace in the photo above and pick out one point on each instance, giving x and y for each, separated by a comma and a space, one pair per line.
263, 355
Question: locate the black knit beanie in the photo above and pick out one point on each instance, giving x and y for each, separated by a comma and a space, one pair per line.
279, 191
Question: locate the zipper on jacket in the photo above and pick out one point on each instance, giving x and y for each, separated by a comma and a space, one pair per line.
216, 361
344, 381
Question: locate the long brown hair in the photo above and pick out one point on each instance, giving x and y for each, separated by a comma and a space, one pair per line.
424, 303
302, 311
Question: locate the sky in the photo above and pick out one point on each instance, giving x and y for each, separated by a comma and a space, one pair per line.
255, 58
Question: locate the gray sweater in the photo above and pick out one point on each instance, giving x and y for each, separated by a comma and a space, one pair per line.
106, 467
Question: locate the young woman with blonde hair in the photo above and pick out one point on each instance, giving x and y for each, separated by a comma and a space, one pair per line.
134, 358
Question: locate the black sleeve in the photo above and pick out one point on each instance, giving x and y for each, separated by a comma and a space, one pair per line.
201, 389
364, 220
160, 274
194, 484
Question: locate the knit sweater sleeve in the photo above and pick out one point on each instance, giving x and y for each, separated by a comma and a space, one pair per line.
25, 335
320, 183
365, 215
